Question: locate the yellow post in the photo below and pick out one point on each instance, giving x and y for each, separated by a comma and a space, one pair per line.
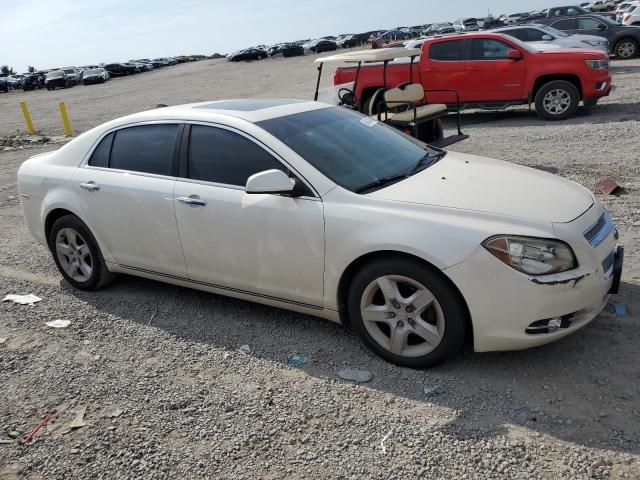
27, 118
65, 120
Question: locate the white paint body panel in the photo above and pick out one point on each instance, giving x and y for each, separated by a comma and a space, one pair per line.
293, 253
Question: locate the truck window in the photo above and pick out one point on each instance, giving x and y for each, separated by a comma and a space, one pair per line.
451, 51
489, 49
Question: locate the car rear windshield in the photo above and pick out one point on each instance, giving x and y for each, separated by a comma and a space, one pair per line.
350, 149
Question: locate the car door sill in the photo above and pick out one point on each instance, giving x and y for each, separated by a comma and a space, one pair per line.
219, 287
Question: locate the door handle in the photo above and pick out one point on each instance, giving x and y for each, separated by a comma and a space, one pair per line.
91, 186
193, 200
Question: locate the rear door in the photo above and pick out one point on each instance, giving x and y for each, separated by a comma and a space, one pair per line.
490, 75
442, 67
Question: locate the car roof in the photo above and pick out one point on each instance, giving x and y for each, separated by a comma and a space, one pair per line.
251, 110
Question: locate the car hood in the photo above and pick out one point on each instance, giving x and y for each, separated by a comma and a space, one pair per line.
588, 52
480, 184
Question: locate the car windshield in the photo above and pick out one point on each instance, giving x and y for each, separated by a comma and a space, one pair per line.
93, 71
55, 74
352, 150
553, 31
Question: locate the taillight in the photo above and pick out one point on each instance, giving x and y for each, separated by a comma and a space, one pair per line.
626, 17
336, 78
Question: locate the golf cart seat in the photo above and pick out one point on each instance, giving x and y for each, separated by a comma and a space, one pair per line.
408, 96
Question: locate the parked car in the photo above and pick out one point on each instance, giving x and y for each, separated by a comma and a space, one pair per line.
621, 9
286, 50
538, 35
601, 6
33, 81
570, 11
73, 75
119, 69
440, 29
321, 45
56, 79
492, 70
624, 40
3, 85
307, 184
348, 41
466, 25
631, 16
95, 75
247, 55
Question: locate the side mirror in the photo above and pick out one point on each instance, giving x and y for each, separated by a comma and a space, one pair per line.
514, 54
270, 181
547, 38
601, 26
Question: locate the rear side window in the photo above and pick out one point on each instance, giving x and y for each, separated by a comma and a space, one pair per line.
567, 24
100, 156
488, 49
146, 148
452, 51
588, 24
221, 156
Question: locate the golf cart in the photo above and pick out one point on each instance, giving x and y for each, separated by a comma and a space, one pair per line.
401, 106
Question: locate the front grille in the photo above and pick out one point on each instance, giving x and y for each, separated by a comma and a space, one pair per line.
600, 230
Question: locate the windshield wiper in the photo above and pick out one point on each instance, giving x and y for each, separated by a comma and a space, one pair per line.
429, 159
381, 182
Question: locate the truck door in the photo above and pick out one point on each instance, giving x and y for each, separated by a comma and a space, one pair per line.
442, 67
490, 75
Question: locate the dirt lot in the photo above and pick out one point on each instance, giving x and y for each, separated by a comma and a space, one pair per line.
167, 395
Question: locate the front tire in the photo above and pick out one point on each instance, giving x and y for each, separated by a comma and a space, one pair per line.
557, 100
77, 254
626, 48
406, 313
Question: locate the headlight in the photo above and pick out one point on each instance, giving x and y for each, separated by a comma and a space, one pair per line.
533, 256
598, 64
593, 43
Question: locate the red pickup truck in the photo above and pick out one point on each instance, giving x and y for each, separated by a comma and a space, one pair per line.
492, 71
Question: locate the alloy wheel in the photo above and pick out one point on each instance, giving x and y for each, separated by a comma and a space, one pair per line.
556, 101
402, 316
74, 255
626, 50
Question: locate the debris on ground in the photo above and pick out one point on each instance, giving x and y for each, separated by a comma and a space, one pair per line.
355, 375
116, 413
78, 421
13, 434
298, 360
29, 299
6, 442
608, 186
620, 309
244, 349
382, 447
31, 435
3, 340
433, 389
58, 323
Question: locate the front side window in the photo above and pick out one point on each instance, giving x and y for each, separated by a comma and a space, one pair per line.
221, 156
489, 49
348, 148
452, 51
144, 148
533, 35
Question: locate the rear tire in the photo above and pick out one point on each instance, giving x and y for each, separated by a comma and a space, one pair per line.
557, 100
427, 324
626, 48
77, 254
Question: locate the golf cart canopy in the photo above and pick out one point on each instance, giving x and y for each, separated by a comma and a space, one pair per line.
371, 56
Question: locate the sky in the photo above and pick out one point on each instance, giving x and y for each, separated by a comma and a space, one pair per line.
50, 33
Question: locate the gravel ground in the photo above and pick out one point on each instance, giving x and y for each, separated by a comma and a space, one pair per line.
167, 394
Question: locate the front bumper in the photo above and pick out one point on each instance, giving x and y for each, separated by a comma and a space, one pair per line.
504, 308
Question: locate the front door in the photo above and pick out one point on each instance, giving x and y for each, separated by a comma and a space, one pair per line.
269, 245
491, 76
126, 192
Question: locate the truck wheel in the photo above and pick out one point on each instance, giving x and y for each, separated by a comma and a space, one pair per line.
626, 48
557, 100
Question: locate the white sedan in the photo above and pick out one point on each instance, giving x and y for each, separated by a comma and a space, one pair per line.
318, 209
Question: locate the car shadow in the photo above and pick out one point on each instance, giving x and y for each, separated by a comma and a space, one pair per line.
582, 389
516, 117
624, 69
